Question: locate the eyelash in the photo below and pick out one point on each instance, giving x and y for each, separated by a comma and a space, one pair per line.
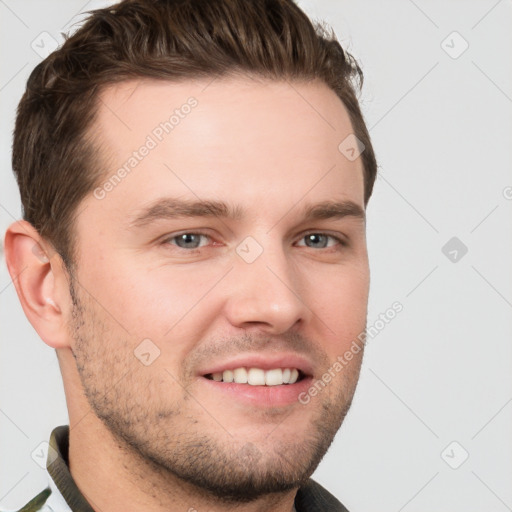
341, 243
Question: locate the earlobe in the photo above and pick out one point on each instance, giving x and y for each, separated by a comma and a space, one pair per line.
38, 275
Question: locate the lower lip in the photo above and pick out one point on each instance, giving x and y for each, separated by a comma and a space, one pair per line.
263, 396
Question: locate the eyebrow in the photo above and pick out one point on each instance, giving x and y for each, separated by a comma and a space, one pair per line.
333, 210
170, 208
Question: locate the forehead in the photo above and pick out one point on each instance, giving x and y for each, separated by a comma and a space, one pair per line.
261, 141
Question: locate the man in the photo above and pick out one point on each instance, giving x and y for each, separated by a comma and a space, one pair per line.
194, 178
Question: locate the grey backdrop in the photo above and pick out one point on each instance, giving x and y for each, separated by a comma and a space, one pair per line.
430, 424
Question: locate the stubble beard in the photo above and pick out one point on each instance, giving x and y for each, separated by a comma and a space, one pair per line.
161, 437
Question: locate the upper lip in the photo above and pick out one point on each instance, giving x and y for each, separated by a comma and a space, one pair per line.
260, 360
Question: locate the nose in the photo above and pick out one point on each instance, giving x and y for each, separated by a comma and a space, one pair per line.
265, 294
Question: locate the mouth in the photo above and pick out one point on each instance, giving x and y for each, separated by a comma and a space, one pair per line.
258, 376
259, 380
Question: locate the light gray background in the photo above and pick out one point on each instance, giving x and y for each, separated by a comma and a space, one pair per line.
440, 371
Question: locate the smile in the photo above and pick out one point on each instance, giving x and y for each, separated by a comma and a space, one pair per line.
258, 376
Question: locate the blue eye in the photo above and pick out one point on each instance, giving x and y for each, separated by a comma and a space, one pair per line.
320, 241
188, 240
193, 240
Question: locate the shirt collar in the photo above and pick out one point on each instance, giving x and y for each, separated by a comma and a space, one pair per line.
58, 468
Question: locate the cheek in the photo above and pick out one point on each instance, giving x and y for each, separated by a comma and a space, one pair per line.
163, 304
342, 308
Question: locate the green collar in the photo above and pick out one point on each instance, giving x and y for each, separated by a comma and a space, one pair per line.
59, 471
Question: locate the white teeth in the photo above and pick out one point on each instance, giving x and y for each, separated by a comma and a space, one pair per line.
227, 376
258, 377
274, 377
240, 376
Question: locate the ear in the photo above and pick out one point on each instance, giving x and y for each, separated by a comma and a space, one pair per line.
38, 273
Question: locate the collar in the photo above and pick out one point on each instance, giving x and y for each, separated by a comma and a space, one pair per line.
58, 468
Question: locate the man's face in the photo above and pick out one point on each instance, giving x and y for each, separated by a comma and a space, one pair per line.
271, 276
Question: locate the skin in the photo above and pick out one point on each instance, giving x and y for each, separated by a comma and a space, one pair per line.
271, 150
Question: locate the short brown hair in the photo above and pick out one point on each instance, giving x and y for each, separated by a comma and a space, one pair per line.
53, 155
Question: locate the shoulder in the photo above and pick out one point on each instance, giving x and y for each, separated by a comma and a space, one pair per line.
312, 497
36, 504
